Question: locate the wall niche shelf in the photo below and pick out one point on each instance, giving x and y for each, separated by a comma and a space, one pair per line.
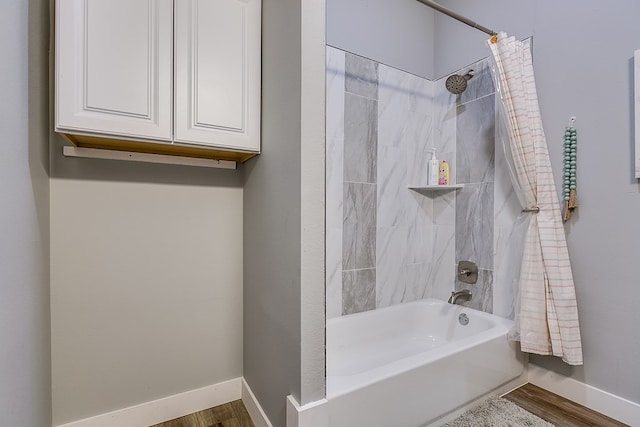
441, 188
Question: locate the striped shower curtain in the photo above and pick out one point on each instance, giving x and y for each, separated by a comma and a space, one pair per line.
547, 321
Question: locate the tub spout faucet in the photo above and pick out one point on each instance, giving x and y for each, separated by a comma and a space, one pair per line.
465, 293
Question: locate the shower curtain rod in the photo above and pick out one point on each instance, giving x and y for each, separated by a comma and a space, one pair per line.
454, 15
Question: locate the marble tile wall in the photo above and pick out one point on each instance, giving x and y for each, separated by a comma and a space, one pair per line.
380, 235
386, 244
475, 154
335, 94
405, 227
444, 204
487, 206
360, 166
507, 250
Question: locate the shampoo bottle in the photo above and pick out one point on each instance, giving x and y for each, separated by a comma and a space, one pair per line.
433, 169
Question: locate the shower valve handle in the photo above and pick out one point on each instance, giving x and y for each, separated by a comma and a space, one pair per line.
467, 272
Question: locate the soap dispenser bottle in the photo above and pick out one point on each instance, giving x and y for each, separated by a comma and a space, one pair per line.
433, 169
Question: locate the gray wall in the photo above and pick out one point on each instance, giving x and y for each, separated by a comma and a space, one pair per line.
457, 45
272, 215
146, 281
398, 33
583, 54
25, 388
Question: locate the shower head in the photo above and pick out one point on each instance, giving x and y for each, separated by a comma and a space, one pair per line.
456, 83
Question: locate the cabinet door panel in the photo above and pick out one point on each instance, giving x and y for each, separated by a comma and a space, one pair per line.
217, 54
114, 67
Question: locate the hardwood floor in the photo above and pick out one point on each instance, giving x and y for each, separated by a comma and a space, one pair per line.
557, 410
546, 405
232, 414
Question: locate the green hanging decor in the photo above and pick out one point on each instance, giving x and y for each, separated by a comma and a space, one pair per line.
570, 151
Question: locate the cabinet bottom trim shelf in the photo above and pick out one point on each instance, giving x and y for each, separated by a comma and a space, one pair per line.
161, 148
96, 153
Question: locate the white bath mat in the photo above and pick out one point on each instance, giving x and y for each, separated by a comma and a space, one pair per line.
498, 412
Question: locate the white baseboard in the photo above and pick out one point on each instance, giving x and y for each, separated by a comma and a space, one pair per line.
167, 408
253, 407
601, 401
314, 414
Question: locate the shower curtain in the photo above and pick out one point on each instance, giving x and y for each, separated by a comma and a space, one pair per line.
547, 319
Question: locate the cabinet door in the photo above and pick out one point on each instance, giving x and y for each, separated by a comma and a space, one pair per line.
217, 83
114, 67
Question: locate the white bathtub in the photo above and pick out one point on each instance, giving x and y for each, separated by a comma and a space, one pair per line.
411, 364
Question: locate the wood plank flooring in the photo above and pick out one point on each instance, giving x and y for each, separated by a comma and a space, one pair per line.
556, 409
232, 414
546, 405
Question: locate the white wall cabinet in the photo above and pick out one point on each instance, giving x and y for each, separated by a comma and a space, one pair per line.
177, 77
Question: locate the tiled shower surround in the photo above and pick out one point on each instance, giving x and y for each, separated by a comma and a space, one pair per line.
387, 244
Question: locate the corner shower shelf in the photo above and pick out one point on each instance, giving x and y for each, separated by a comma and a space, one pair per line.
435, 187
